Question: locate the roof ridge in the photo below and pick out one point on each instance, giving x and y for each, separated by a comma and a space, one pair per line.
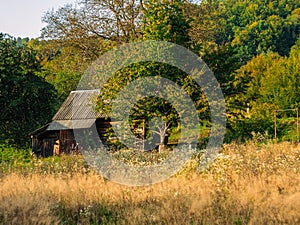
87, 90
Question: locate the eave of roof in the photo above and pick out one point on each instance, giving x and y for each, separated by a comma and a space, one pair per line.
40, 130
70, 124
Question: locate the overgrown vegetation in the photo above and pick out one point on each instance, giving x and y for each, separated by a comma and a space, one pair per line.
253, 183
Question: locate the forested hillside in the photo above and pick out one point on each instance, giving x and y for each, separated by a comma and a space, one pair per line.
253, 48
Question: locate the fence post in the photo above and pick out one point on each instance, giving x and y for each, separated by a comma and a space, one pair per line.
275, 133
297, 121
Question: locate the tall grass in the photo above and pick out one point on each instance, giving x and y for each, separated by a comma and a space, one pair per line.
248, 184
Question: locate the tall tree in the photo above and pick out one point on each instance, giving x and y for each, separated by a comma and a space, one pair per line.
27, 100
111, 20
162, 20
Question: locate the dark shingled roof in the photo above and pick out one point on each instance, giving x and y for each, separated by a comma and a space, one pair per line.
79, 105
77, 111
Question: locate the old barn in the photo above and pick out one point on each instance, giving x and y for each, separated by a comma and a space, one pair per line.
76, 112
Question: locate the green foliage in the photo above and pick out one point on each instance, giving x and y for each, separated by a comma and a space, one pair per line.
20, 160
10, 154
249, 45
287, 128
164, 21
269, 82
257, 26
229, 33
273, 79
26, 100
64, 62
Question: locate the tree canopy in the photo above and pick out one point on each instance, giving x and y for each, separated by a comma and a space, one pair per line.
251, 46
27, 100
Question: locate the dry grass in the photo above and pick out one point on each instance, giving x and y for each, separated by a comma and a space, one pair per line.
247, 184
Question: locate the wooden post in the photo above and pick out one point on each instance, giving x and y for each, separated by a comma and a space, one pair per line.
275, 132
143, 135
297, 121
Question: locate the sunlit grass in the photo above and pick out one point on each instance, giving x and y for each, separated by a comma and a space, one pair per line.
253, 183
141, 158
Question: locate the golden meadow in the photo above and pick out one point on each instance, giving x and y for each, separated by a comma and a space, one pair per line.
252, 183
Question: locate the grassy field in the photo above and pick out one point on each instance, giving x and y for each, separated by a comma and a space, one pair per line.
251, 183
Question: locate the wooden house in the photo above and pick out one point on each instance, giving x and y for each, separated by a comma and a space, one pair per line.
76, 112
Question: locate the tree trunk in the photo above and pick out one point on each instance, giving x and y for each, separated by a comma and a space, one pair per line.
162, 145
